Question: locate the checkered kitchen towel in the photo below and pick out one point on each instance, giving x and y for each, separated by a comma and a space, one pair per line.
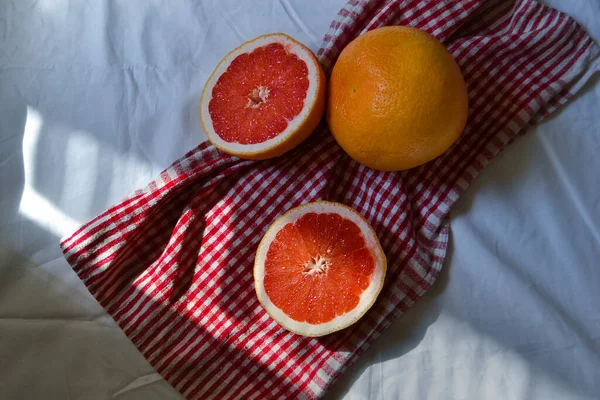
172, 263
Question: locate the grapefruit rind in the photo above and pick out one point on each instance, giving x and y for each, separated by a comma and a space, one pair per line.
368, 297
298, 129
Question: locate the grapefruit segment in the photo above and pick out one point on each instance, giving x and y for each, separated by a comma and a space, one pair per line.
264, 98
319, 268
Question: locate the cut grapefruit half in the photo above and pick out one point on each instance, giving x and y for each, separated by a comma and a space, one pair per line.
319, 268
264, 98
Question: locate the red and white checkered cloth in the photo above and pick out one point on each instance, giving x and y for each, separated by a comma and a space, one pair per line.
172, 263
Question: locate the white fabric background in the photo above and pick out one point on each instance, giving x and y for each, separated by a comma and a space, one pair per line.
98, 97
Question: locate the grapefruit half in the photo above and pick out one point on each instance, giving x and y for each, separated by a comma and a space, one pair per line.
264, 98
319, 268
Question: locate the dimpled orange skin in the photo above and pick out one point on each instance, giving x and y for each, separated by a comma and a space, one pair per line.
397, 99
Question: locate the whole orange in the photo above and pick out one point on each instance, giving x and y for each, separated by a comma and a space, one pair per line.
397, 99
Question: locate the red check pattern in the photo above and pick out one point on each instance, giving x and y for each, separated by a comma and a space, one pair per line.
172, 263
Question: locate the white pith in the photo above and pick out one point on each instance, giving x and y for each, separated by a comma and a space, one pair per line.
259, 95
311, 96
318, 265
367, 297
